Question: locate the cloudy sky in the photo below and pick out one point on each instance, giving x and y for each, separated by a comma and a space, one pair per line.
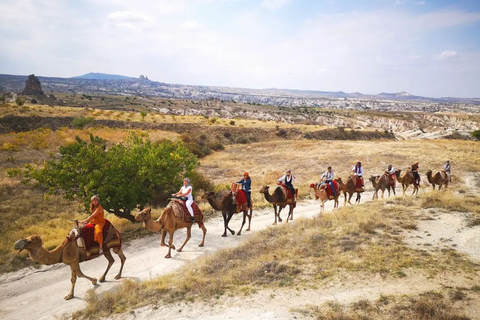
429, 48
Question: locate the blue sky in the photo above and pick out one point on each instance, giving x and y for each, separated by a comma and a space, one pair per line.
429, 48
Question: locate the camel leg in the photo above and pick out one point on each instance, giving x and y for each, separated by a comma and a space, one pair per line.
119, 252
226, 220
250, 218
204, 230
73, 280
108, 256
279, 210
374, 194
350, 195
243, 222
359, 196
170, 241
189, 235
277, 215
230, 215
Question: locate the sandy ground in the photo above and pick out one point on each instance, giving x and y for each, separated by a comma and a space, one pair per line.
38, 293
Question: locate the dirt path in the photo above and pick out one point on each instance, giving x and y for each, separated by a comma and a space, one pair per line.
38, 293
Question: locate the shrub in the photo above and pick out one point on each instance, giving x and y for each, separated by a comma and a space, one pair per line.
232, 122
124, 176
81, 122
475, 135
19, 101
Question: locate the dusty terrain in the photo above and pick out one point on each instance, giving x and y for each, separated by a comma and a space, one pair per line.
38, 293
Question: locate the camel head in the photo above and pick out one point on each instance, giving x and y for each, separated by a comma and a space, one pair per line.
429, 173
313, 186
144, 215
208, 195
31, 242
264, 189
397, 172
373, 178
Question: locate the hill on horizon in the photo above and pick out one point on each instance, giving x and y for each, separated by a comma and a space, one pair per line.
102, 76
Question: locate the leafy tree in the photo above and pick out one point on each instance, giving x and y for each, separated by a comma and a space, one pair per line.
475, 134
124, 176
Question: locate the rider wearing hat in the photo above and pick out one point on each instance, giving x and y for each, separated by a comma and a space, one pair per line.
246, 183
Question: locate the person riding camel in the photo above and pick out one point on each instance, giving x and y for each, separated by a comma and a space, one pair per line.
446, 170
327, 177
357, 173
185, 193
288, 180
414, 170
246, 183
390, 172
97, 218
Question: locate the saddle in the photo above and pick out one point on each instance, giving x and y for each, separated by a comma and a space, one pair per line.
84, 238
287, 193
239, 196
358, 183
181, 212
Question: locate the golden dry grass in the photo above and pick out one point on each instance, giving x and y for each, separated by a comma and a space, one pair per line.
354, 243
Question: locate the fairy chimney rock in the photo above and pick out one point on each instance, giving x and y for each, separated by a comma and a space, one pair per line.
32, 86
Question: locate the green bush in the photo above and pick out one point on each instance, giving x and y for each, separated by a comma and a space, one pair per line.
81, 122
19, 101
124, 176
475, 134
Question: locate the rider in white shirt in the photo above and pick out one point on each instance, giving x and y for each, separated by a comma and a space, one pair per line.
186, 191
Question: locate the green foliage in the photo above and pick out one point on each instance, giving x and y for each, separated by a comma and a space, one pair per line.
475, 134
124, 176
143, 114
19, 101
81, 122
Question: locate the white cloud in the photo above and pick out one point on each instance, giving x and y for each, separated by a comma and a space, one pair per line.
191, 25
274, 4
445, 55
129, 19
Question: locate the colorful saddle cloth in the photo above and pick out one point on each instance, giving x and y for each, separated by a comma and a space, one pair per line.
180, 210
330, 191
287, 193
111, 239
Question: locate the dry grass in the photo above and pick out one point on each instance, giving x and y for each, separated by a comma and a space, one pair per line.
357, 241
426, 306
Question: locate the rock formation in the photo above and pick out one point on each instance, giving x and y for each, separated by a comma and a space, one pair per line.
32, 86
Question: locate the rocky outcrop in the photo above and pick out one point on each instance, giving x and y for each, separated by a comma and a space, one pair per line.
32, 87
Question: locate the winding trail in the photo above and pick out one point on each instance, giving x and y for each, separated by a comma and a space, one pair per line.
38, 293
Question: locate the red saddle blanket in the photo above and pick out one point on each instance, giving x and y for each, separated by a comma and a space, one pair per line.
329, 189
286, 191
391, 179
111, 238
180, 210
241, 198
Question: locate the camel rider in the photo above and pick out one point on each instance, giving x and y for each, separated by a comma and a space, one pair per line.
246, 183
414, 169
357, 171
446, 170
327, 177
97, 217
186, 191
288, 180
390, 170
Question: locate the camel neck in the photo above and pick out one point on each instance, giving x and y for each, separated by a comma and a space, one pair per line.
43, 256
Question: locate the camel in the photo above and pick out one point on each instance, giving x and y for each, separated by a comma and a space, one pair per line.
69, 253
381, 182
228, 208
406, 180
168, 222
278, 199
437, 179
321, 193
349, 188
